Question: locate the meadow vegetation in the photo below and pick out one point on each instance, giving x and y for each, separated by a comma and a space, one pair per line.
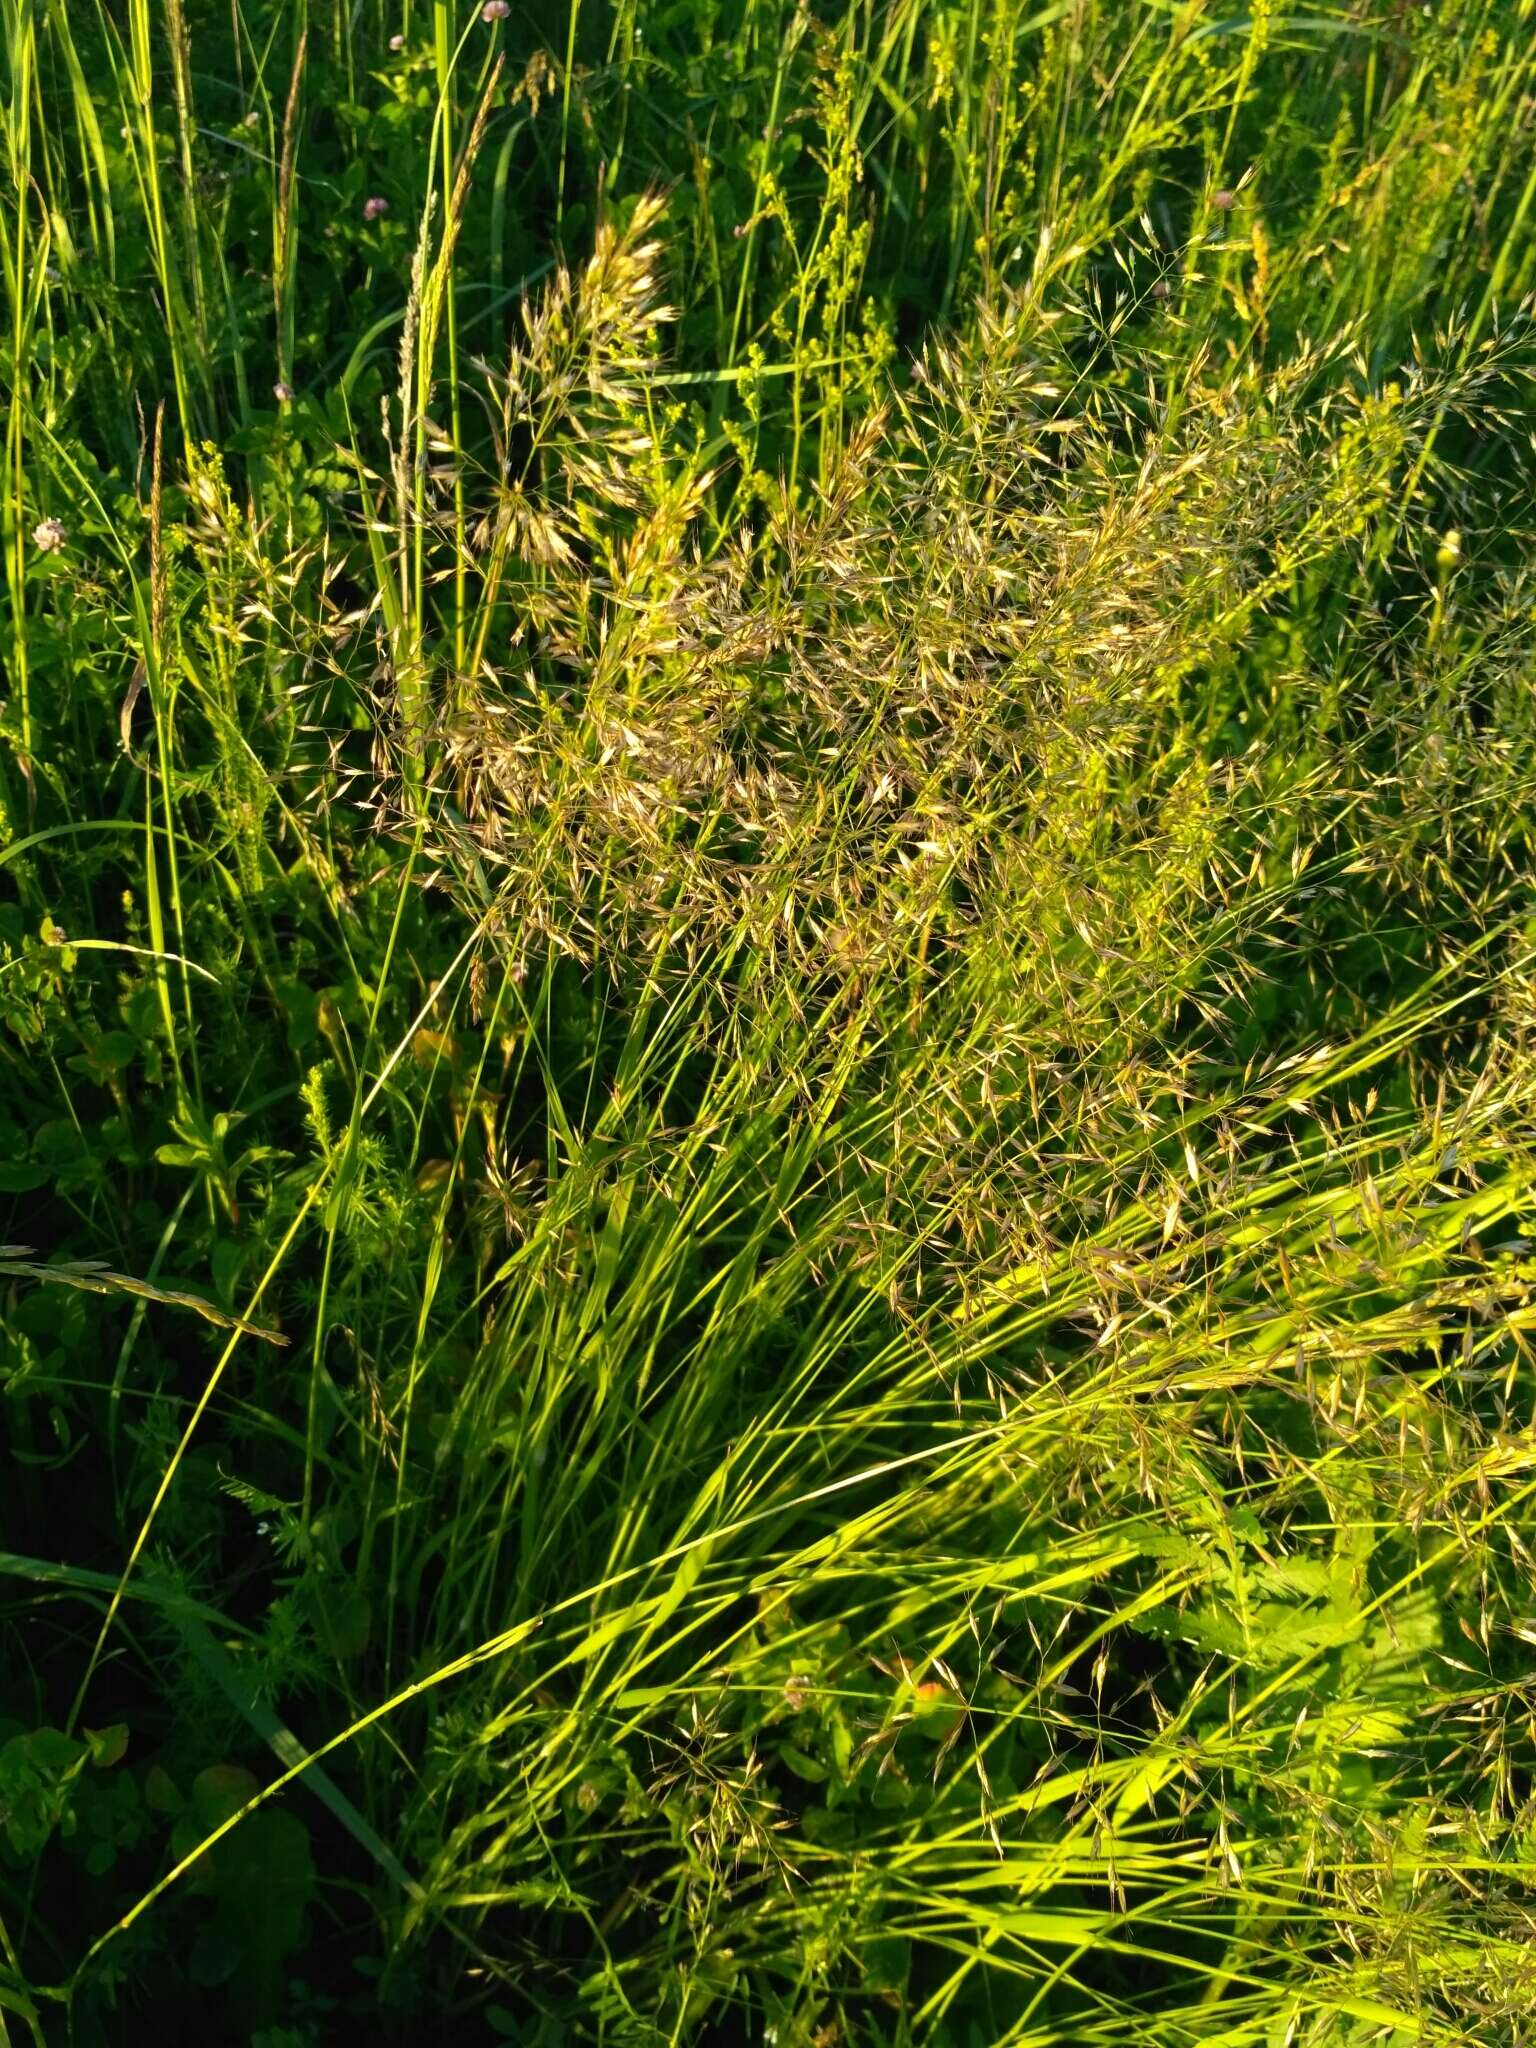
768, 1023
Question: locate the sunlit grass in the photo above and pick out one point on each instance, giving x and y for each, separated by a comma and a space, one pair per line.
775, 770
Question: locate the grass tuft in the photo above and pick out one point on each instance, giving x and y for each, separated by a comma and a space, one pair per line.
767, 1025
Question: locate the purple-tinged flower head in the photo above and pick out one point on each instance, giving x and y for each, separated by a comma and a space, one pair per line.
397, 42
282, 392
49, 535
375, 208
495, 10
1224, 200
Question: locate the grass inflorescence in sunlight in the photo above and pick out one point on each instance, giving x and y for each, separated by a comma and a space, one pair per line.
767, 1024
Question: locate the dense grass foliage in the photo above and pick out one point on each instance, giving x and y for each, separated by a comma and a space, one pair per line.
768, 1023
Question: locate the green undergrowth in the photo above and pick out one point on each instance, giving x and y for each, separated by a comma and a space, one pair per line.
768, 1025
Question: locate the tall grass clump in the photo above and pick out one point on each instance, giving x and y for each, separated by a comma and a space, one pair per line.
768, 1025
